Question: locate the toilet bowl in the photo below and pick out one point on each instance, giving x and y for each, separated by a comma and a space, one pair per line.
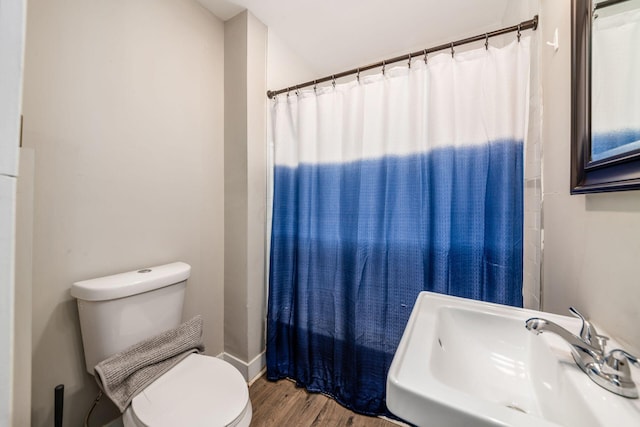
199, 391
119, 311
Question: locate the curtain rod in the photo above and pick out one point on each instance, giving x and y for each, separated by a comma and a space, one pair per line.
606, 3
525, 25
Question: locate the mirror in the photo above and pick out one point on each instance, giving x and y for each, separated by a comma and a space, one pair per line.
605, 96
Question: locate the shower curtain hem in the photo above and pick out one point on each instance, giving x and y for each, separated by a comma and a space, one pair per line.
310, 389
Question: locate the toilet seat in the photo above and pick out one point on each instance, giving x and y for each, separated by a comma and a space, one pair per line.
199, 391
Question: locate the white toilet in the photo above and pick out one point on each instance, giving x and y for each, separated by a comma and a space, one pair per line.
121, 310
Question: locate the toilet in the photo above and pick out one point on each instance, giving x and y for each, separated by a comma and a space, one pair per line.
121, 310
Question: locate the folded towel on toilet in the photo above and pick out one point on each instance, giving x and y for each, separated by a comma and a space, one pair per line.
125, 374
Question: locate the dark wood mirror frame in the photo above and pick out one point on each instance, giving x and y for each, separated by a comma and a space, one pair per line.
612, 174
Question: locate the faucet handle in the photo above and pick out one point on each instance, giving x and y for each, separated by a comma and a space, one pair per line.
617, 360
588, 331
612, 359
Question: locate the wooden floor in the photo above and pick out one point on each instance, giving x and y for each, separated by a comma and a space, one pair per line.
283, 404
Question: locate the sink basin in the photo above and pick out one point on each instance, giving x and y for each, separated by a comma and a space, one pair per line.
469, 363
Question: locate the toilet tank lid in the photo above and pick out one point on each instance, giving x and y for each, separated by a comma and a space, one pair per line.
131, 283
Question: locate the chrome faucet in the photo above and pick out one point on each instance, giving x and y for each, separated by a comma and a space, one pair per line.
609, 370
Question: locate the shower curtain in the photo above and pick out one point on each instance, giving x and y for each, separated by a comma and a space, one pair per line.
405, 181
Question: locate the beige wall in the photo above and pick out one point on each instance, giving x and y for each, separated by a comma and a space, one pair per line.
254, 60
256, 184
591, 243
235, 186
284, 67
23, 291
123, 107
245, 191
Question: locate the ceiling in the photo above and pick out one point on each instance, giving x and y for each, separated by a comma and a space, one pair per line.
334, 35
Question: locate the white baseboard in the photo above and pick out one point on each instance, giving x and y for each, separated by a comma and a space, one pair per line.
249, 370
257, 377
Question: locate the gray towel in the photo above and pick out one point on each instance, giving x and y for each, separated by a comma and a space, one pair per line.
125, 374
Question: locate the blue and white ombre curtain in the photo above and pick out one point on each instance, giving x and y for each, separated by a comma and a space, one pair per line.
615, 86
399, 183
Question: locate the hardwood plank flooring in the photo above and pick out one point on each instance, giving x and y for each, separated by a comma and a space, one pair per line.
281, 403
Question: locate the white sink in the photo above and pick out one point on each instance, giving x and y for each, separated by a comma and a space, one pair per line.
469, 363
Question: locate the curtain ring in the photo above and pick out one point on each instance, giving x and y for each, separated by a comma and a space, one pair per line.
288, 92
315, 86
333, 81
519, 26
425, 56
297, 92
452, 51
486, 41
358, 76
409, 63
383, 67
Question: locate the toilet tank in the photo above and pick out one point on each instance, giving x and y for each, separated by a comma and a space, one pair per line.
121, 310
